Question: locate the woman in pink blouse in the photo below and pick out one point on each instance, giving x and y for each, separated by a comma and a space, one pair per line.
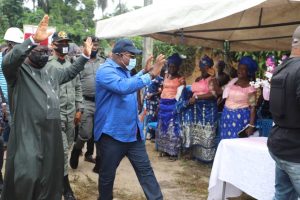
198, 109
168, 135
239, 111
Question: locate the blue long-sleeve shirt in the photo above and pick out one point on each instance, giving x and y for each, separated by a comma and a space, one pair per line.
116, 102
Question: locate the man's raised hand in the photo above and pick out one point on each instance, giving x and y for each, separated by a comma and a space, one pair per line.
159, 63
41, 33
88, 45
148, 66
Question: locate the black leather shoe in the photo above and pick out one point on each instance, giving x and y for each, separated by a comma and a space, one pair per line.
69, 196
1, 182
96, 168
68, 193
74, 159
89, 159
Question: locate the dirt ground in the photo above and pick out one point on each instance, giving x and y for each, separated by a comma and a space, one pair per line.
183, 179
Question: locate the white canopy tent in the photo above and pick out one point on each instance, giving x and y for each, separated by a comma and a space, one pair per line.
248, 25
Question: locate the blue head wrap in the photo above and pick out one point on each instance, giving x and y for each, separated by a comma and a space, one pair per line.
175, 59
206, 61
250, 63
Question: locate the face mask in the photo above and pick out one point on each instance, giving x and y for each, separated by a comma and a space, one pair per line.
62, 48
39, 57
94, 54
132, 64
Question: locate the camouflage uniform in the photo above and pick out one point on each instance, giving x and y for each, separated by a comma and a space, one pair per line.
70, 102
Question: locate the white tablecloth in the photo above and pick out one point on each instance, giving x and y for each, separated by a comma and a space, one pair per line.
245, 165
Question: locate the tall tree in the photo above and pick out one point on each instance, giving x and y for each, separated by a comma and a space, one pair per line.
13, 9
4, 25
102, 4
120, 9
44, 4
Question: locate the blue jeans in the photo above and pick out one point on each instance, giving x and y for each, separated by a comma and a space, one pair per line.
287, 179
111, 153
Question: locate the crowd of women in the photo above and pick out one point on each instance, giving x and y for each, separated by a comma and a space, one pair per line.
195, 117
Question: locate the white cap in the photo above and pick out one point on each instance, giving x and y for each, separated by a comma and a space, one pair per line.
14, 34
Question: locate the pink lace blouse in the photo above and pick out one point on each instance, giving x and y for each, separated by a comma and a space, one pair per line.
170, 88
238, 97
202, 86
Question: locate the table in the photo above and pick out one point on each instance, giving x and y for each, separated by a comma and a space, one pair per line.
244, 164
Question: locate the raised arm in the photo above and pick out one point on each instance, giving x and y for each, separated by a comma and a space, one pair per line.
66, 74
14, 59
110, 80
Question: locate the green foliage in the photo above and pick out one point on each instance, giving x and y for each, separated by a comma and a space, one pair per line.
31, 17
159, 47
4, 23
188, 64
64, 15
78, 23
12, 9
10, 12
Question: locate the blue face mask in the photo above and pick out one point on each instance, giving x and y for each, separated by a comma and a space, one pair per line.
132, 64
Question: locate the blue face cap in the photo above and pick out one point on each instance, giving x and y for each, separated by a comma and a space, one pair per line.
124, 45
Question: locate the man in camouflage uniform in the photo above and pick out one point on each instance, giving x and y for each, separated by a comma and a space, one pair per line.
70, 102
87, 77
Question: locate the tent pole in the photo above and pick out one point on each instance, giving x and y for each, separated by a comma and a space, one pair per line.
226, 51
148, 42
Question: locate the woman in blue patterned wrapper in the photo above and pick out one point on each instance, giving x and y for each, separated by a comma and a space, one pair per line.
152, 97
239, 111
168, 133
198, 109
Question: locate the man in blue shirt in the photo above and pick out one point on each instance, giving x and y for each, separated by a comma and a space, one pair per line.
117, 130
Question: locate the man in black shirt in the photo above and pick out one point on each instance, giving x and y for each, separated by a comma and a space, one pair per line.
284, 139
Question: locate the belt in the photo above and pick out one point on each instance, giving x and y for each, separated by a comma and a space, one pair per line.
89, 98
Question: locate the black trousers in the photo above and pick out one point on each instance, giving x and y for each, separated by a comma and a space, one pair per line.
111, 153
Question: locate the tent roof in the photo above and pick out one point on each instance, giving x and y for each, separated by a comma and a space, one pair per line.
248, 25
